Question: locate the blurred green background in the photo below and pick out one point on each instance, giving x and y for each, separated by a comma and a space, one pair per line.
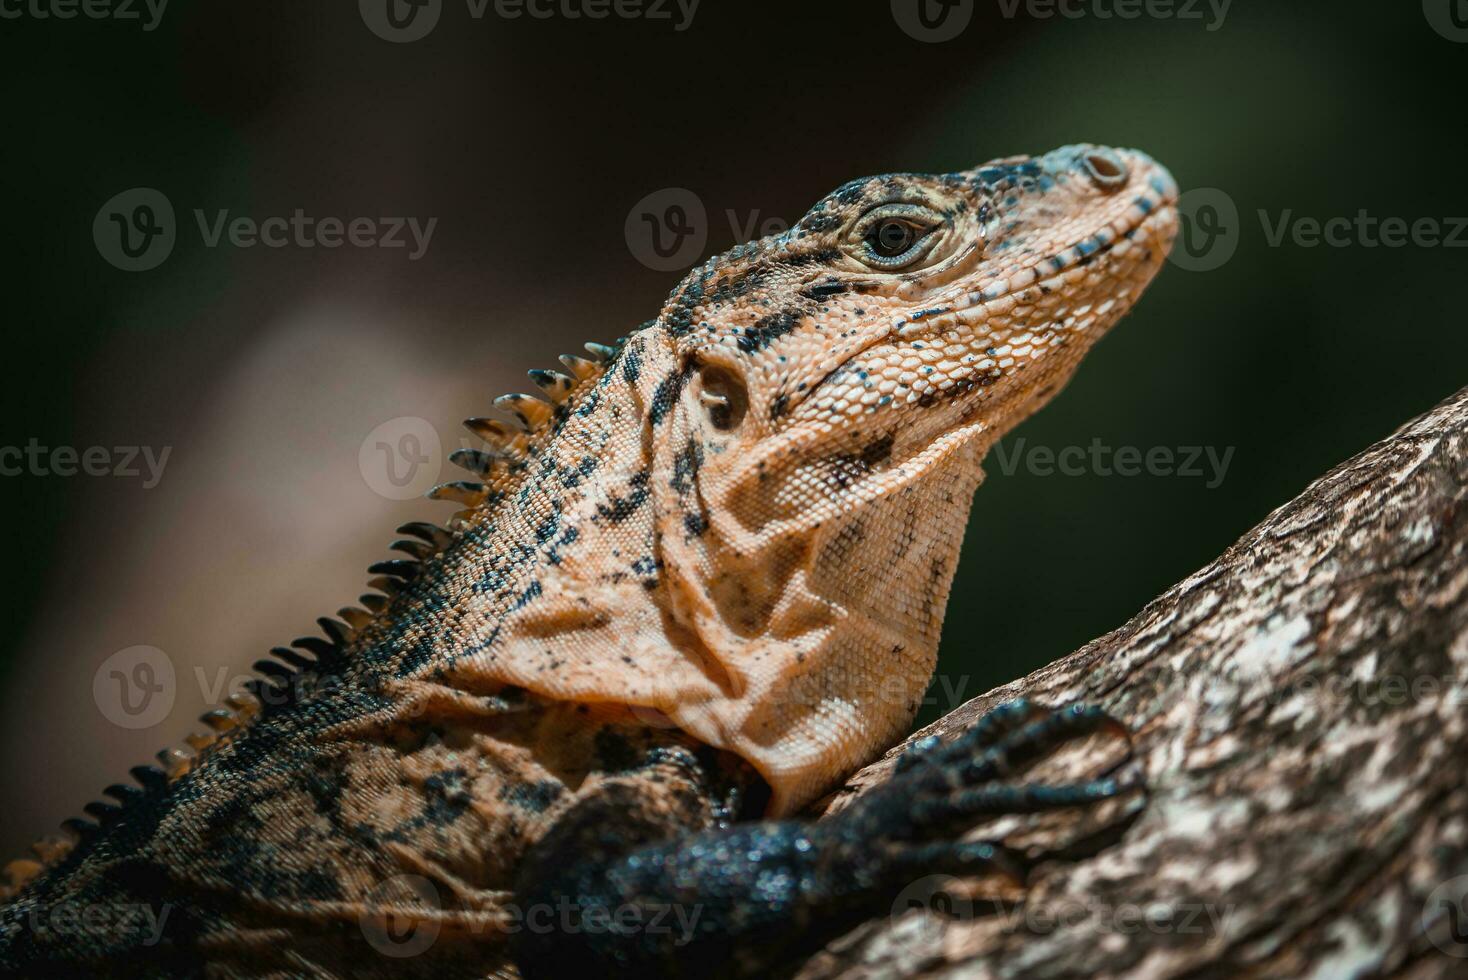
530, 140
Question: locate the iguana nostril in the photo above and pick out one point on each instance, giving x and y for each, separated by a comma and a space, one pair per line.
1105, 168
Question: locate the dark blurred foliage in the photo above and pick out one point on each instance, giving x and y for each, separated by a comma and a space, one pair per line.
530, 140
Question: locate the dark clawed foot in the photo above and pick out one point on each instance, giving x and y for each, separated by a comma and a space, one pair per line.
768, 893
939, 789
916, 752
994, 725
961, 859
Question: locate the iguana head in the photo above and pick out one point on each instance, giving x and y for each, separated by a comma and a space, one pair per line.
846, 377
909, 310
778, 469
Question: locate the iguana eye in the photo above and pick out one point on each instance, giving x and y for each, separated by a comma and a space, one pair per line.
895, 236
723, 395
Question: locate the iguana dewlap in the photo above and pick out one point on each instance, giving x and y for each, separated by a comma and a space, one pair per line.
700, 583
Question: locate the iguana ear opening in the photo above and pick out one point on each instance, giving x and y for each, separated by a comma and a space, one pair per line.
724, 397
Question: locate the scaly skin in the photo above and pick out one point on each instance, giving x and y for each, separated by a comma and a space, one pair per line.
703, 584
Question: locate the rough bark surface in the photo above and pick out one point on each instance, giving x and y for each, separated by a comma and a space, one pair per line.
1302, 732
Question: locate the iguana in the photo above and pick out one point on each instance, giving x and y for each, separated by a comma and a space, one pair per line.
695, 587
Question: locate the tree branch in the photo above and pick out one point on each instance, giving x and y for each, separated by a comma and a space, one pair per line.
1302, 731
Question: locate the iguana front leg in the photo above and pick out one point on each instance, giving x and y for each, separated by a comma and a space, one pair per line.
631, 896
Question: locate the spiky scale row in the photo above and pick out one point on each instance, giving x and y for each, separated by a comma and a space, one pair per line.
273, 669
339, 633
580, 367
315, 644
530, 411
386, 585
431, 533
357, 619
462, 492
556, 386
499, 434
477, 461
509, 443
419, 550
220, 720
78, 828
175, 762
103, 812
